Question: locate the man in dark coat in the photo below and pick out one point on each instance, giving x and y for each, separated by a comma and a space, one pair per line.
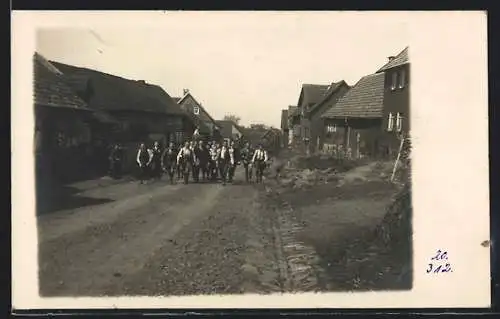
169, 160
143, 158
201, 164
116, 161
156, 168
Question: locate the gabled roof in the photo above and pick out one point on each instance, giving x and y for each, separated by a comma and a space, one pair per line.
51, 88
269, 132
293, 110
181, 99
312, 93
112, 93
334, 87
400, 59
226, 128
284, 119
364, 100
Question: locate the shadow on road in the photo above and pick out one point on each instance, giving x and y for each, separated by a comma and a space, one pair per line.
61, 197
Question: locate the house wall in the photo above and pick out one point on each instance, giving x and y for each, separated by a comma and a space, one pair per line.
317, 124
189, 103
396, 100
64, 138
371, 137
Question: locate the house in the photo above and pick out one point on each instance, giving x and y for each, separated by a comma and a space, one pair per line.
207, 126
355, 121
285, 130
370, 118
310, 95
230, 130
396, 115
146, 112
312, 119
62, 123
272, 140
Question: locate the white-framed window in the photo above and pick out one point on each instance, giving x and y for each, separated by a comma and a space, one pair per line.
331, 128
196, 110
402, 79
394, 81
390, 122
399, 122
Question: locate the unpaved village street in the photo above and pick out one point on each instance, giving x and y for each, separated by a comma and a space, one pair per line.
150, 239
124, 238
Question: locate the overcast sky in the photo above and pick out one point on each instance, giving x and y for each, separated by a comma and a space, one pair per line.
248, 64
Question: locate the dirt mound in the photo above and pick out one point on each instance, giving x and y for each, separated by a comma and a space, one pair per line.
395, 228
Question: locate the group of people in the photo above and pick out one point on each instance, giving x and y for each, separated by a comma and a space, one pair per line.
201, 161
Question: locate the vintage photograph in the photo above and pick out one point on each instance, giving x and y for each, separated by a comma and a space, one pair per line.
201, 159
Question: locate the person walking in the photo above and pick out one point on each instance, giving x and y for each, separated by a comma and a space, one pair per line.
213, 162
143, 159
185, 160
226, 161
168, 161
116, 161
234, 155
246, 157
259, 161
156, 168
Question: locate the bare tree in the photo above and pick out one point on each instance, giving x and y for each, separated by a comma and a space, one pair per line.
231, 117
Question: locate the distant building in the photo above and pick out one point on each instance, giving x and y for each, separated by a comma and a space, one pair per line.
230, 130
203, 120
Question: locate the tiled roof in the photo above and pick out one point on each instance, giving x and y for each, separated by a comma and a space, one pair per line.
113, 93
313, 93
226, 128
400, 59
328, 93
284, 119
50, 87
364, 100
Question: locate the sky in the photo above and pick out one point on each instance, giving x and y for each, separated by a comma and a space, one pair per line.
243, 63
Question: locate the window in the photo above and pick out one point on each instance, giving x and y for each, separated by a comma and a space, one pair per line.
399, 122
402, 79
196, 110
332, 128
394, 81
390, 122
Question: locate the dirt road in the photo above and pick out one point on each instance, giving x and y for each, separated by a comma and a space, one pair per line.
161, 239
151, 239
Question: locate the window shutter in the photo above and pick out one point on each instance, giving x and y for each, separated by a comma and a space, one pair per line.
389, 122
394, 80
402, 79
399, 123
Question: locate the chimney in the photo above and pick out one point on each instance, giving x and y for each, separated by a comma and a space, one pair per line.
142, 81
390, 58
186, 91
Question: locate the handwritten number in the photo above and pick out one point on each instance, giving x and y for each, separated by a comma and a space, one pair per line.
440, 255
430, 268
447, 268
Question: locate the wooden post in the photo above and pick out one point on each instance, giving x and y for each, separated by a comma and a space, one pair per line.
397, 158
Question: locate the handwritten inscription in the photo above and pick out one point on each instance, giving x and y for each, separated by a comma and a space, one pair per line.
439, 263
